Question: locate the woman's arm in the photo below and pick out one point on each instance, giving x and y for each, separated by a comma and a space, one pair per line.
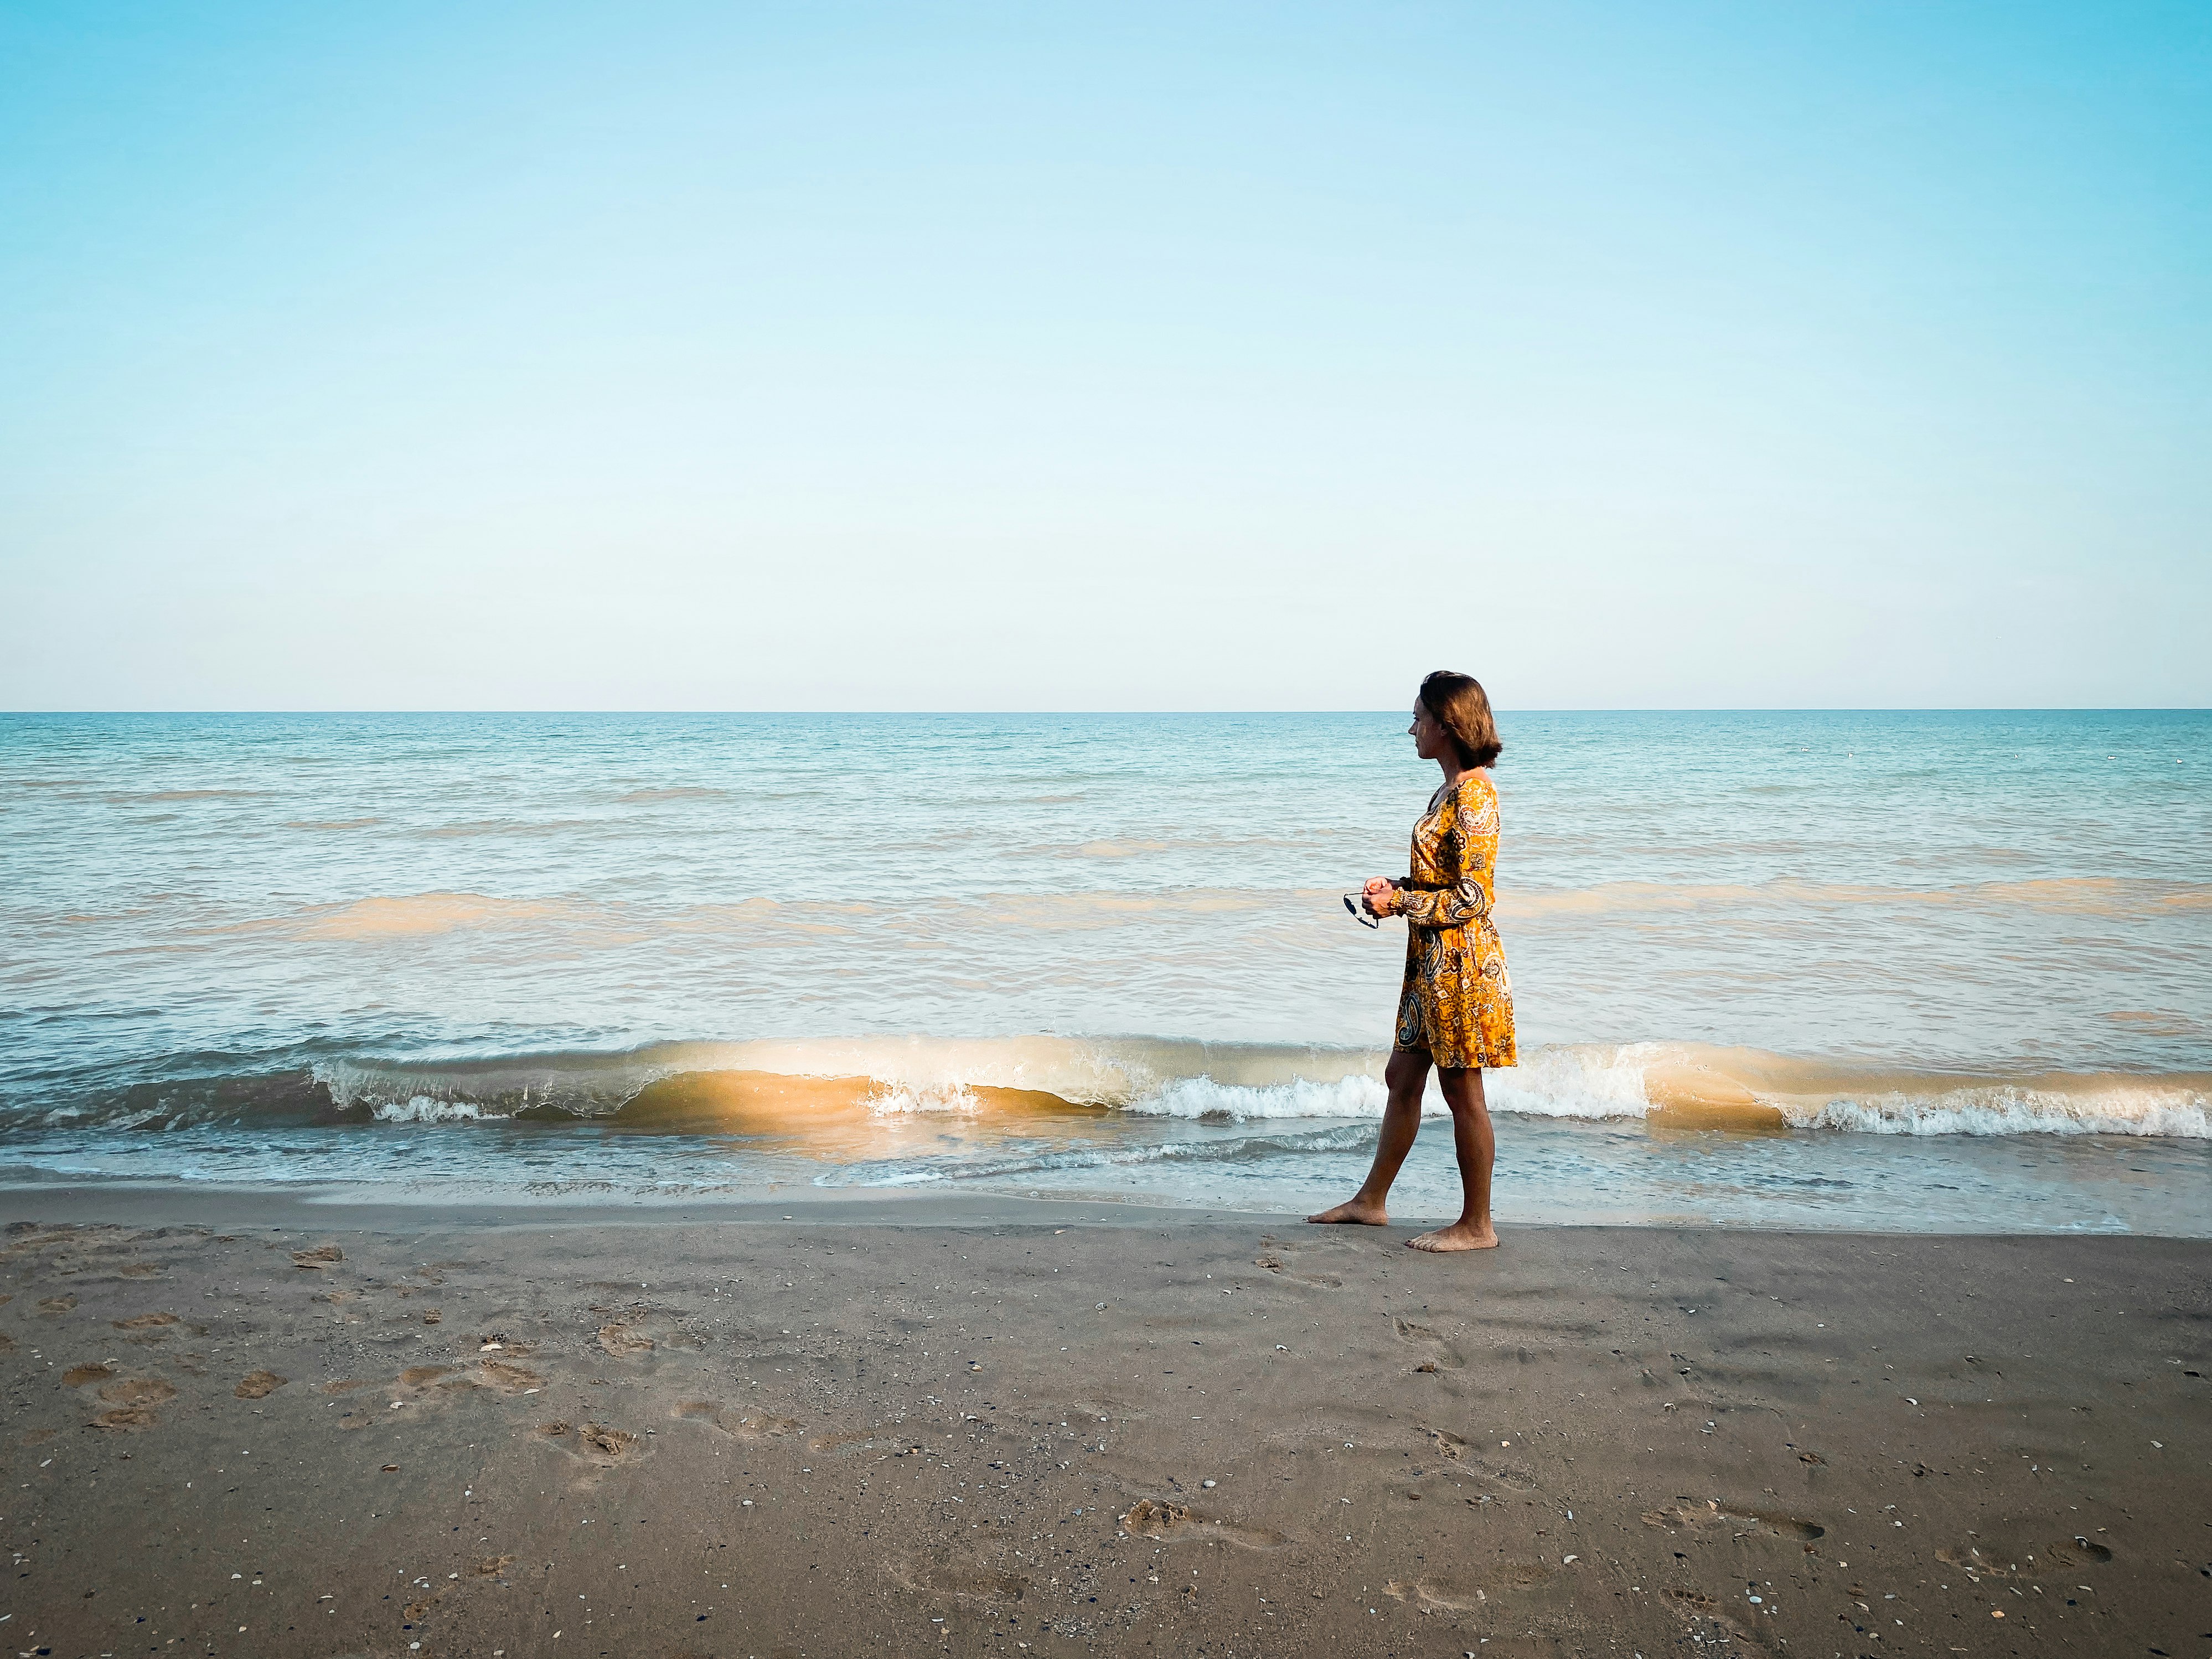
1469, 845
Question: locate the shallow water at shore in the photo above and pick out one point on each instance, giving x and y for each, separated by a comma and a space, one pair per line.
1550, 1171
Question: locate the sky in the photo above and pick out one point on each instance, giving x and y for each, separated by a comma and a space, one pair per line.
930, 356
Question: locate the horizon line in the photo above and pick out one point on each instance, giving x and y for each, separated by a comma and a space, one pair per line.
946, 714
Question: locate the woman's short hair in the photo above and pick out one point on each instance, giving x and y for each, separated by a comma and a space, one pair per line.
1462, 706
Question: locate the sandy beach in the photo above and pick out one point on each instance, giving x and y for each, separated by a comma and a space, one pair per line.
242, 1424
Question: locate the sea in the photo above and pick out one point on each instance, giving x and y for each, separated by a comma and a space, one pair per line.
1888, 971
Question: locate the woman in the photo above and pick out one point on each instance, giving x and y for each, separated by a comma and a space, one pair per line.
1455, 1010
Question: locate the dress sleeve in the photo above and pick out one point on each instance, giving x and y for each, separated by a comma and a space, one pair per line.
1467, 852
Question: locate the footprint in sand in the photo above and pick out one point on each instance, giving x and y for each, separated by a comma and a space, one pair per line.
1447, 1443
1739, 1521
967, 1583
2078, 1552
77, 1376
137, 1391
623, 1342
1443, 1355
595, 1442
1438, 1593
318, 1258
55, 1305
605, 1445
1155, 1517
1498, 1472
1279, 1261
1275, 1264
507, 1378
147, 1323
1163, 1518
738, 1424
130, 1419
259, 1385
131, 1400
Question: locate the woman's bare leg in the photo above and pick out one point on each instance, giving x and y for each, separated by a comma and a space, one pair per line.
1406, 1075
1477, 1147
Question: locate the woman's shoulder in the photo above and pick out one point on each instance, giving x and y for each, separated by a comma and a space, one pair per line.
1472, 794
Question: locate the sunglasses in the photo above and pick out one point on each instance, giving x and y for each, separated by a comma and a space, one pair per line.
1352, 903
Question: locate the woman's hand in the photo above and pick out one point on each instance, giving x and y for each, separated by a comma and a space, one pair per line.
1380, 896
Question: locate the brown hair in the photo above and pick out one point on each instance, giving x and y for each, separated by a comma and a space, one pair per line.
1462, 706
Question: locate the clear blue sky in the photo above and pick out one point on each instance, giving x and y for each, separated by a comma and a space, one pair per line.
653, 355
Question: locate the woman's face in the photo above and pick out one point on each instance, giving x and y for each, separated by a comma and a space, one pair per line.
1428, 733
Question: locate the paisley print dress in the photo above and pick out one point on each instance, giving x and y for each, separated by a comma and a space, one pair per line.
1457, 1002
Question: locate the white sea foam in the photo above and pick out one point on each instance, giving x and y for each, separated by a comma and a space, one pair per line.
424, 1108
899, 1100
1591, 1080
1204, 1098
2176, 1113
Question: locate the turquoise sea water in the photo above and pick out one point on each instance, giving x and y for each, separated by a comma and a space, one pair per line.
1964, 960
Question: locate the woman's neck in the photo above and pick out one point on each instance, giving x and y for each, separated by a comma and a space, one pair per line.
1454, 772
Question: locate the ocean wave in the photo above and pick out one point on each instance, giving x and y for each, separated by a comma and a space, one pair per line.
797, 1089
1696, 1083
2108, 1106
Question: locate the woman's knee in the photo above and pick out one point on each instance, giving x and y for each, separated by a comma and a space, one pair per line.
1406, 1068
1461, 1088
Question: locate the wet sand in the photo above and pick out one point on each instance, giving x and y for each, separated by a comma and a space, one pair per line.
242, 1424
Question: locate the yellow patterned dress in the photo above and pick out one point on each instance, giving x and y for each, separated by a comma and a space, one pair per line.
1457, 1001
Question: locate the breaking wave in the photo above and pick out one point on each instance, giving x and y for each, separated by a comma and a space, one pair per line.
795, 1089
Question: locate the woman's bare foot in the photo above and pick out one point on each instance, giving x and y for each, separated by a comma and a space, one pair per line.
1353, 1212
1460, 1235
